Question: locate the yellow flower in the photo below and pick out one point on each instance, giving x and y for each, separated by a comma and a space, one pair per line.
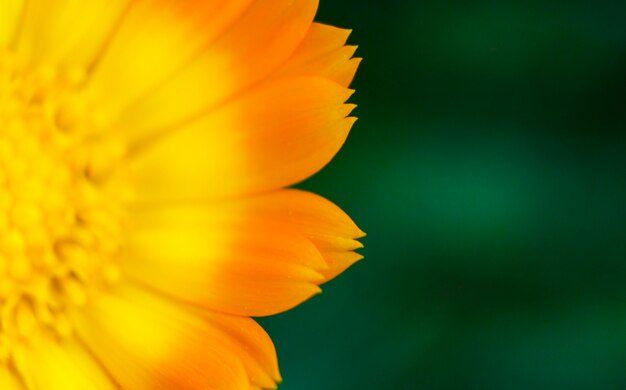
145, 147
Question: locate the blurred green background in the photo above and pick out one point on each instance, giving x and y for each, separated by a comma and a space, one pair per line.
487, 168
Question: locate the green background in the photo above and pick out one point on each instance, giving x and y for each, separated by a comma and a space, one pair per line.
487, 168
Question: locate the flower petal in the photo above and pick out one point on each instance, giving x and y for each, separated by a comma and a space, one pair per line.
156, 39
10, 13
8, 380
259, 41
322, 53
251, 343
326, 225
149, 343
276, 136
46, 364
256, 256
44, 38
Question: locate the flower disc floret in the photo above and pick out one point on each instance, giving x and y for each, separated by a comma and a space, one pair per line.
59, 234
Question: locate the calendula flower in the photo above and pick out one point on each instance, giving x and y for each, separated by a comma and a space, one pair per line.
145, 147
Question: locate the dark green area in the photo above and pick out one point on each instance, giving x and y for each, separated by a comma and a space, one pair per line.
488, 169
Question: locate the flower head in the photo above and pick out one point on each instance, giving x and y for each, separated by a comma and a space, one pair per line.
144, 150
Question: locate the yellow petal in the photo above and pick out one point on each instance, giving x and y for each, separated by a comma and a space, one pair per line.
67, 33
148, 343
8, 380
10, 13
156, 40
46, 364
255, 45
257, 256
322, 53
208, 257
276, 136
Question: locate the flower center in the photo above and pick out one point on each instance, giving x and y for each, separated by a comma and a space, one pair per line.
59, 225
